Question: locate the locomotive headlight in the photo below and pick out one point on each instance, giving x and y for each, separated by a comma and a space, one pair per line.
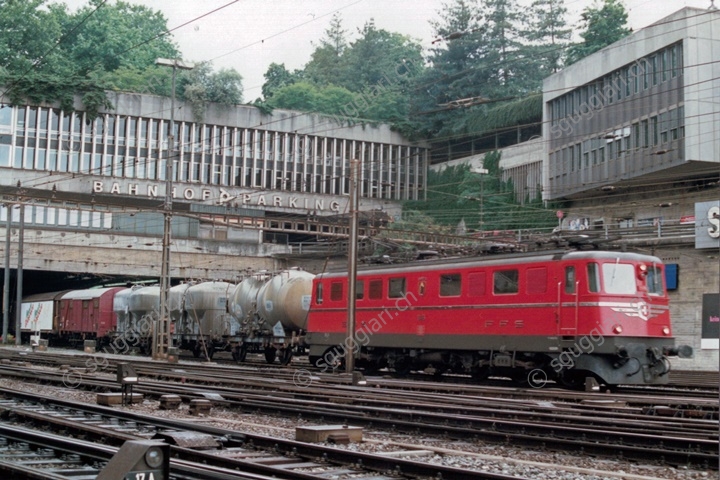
666, 330
617, 329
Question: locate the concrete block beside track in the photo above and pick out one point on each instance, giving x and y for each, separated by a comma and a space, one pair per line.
110, 399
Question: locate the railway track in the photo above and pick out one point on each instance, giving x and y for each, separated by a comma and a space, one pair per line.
555, 420
224, 453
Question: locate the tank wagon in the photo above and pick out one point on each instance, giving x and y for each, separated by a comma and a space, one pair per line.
144, 308
560, 316
272, 314
204, 324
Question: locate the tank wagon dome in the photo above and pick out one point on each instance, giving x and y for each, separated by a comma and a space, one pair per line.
121, 308
145, 300
285, 298
208, 296
121, 301
243, 300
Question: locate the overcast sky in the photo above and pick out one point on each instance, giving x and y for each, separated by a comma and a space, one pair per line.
248, 35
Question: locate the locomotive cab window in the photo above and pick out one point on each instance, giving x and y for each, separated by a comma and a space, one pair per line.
655, 280
593, 274
319, 293
569, 279
450, 285
505, 281
619, 278
396, 287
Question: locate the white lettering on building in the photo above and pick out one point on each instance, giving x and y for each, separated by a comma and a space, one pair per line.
253, 199
714, 219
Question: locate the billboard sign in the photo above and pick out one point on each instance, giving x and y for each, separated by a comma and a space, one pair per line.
707, 224
710, 321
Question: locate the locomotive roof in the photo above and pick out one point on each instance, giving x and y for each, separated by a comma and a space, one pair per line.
511, 259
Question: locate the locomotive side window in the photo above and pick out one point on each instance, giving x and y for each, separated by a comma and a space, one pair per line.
375, 290
359, 289
476, 284
505, 281
336, 291
593, 277
450, 285
569, 279
319, 293
537, 280
619, 278
396, 287
655, 280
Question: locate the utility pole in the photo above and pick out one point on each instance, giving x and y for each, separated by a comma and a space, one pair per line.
162, 339
352, 266
482, 172
19, 280
6, 284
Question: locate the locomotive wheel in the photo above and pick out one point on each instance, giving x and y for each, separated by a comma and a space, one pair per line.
270, 354
481, 373
402, 366
333, 359
575, 380
286, 355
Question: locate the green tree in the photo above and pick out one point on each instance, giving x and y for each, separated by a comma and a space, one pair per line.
307, 97
29, 31
114, 35
380, 59
502, 44
326, 63
276, 77
454, 73
603, 24
201, 85
547, 36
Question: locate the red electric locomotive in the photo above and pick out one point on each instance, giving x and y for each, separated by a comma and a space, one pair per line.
562, 316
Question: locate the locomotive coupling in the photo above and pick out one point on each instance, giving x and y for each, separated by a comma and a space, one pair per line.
682, 351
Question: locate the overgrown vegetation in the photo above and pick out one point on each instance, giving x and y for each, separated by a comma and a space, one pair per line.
460, 200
